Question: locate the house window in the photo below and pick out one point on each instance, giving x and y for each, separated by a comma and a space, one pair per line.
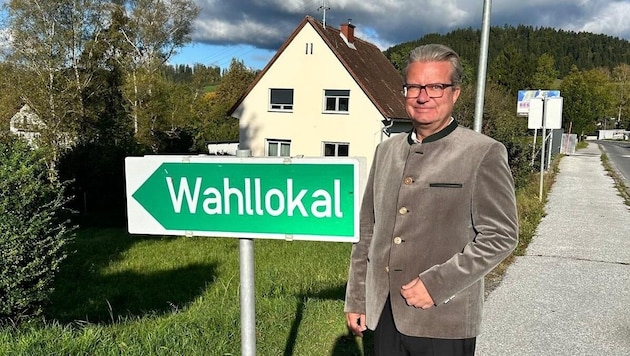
278, 148
281, 100
336, 101
336, 149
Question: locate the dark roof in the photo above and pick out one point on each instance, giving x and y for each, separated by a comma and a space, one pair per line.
369, 67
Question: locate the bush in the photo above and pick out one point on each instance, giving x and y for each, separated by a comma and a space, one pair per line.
34, 231
98, 188
519, 154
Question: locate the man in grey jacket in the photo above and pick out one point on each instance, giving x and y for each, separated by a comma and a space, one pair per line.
438, 214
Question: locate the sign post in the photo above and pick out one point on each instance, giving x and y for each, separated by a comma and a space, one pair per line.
264, 197
543, 109
247, 288
246, 197
542, 151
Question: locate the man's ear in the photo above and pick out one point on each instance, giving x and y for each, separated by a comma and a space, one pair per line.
456, 91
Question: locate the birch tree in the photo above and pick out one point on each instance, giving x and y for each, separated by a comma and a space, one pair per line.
47, 40
152, 31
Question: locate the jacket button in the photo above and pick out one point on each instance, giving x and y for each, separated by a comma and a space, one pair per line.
387, 269
397, 240
408, 180
403, 211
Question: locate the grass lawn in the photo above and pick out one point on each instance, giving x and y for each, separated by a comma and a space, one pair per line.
147, 295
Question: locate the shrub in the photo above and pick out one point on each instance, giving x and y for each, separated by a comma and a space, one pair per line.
98, 188
519, 160
34, 231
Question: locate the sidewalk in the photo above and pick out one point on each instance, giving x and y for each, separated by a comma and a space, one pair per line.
570, 294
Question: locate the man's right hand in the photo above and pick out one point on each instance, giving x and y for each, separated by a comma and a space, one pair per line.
356, 323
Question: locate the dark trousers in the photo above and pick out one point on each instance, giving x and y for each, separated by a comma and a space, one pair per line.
390, 342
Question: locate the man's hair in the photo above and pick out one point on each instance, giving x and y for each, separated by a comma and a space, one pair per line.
437, 53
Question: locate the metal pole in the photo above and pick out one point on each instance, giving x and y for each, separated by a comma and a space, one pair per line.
550, 148
534, 147
566, 146
247, 289
542, 152
483, 65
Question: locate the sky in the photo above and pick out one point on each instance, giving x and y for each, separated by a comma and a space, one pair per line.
253, 30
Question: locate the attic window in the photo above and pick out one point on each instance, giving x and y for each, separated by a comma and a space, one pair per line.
281, 100
336, 101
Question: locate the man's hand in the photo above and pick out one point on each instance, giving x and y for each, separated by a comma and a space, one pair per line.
416, 294
356, 323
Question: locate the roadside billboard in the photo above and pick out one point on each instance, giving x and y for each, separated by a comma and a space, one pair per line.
524, 96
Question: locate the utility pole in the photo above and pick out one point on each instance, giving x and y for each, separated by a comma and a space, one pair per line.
483, 65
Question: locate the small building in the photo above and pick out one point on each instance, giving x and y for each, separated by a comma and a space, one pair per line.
325, 93
616, 134
222, 148
26, 124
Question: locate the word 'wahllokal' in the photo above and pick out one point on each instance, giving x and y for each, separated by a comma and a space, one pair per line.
301, 199
252, 201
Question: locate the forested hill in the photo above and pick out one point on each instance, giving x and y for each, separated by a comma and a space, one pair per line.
527, 44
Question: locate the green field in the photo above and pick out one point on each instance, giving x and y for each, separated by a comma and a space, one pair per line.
145, 295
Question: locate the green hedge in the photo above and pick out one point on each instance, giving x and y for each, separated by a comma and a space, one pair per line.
34, 231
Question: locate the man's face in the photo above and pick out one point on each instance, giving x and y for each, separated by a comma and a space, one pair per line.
428, 113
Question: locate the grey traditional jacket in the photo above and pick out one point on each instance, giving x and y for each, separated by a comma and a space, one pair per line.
443, 210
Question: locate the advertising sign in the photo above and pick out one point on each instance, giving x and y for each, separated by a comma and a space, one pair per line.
524, 96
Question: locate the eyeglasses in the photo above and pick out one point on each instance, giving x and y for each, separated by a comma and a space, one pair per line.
434, 90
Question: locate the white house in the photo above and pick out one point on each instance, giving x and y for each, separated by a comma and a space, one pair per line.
26, 124
324, 93
29, 126
615, 134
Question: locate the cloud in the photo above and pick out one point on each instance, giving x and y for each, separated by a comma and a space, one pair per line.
611, 19
266, 24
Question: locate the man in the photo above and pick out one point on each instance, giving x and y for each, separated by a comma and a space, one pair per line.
438, 214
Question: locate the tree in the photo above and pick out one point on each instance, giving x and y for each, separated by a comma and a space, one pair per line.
586, 99
213, 120
546, 74
152, 32
9, 99
621, 86
511, 70
48, 39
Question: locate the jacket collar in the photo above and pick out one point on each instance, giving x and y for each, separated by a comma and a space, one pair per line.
436, 136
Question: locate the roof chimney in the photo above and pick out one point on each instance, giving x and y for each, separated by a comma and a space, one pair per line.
347, 29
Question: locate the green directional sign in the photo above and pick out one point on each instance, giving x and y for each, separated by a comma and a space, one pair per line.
308, 199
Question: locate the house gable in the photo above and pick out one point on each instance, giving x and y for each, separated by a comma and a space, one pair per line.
369, 67
318, 95
26, 124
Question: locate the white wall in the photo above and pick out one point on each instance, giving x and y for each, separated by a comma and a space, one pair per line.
613, 134
307, 126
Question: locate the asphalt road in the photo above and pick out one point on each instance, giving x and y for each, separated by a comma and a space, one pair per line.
619, 154
570, 293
